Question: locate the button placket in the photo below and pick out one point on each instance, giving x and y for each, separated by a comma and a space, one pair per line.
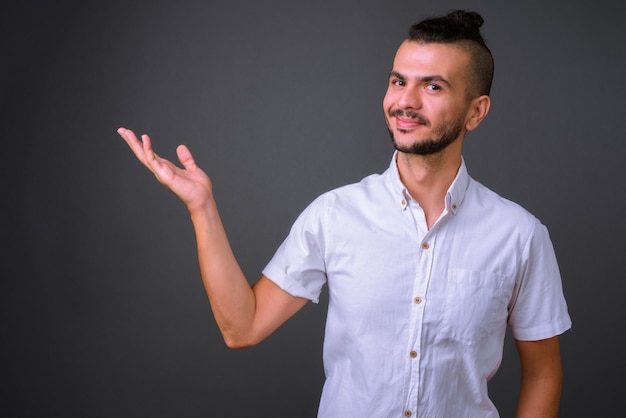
423, 242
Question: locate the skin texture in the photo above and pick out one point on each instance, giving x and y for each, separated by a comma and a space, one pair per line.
428, 110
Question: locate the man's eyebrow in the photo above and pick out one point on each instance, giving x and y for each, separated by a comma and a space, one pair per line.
425, 79
437, 78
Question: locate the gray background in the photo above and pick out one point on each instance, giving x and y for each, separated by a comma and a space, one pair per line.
103, 311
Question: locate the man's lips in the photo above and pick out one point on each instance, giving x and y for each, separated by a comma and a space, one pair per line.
408, 119
407, 123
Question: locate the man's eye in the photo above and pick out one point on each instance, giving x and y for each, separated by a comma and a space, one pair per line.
433, 87
398, 83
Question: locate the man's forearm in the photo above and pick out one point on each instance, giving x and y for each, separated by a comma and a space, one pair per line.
231, 297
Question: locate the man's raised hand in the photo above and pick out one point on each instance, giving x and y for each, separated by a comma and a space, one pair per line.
189, 183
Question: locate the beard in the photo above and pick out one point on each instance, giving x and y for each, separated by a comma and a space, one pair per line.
443, 135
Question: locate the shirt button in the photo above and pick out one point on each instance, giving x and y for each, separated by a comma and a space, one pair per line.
413, 354
408, 413
417, 300
425, 245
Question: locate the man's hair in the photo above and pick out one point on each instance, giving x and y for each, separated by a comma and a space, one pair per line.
462, 28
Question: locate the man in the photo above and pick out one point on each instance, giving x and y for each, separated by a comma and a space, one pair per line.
425, 267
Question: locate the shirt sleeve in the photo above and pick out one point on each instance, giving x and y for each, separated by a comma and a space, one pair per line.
298, 266
539, 310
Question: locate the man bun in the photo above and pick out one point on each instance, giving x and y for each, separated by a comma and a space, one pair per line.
455, 26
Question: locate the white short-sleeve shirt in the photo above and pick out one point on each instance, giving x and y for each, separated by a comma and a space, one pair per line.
417, 317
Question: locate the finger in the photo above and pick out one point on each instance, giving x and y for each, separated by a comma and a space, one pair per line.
128, 136
146, 144
132, 141
152, 159
185, 158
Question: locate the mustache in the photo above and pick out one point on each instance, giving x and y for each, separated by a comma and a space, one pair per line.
410, 114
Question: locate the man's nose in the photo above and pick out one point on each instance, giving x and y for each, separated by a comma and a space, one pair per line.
410, 99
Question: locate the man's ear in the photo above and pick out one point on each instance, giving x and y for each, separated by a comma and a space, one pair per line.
478, 109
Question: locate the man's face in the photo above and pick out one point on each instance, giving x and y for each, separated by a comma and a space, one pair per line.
426, 103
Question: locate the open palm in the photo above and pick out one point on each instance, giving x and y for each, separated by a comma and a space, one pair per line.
189, 183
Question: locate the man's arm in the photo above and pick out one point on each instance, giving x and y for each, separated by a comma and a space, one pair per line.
540, 392
245, 315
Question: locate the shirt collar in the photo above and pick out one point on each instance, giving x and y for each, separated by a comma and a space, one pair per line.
454, 196
456, 191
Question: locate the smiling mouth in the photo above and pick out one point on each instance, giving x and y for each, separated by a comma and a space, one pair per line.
407, 119
407, 124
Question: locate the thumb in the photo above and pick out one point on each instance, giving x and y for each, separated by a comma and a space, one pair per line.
185, 158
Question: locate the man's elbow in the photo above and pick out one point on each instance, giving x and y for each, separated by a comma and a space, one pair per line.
239, 342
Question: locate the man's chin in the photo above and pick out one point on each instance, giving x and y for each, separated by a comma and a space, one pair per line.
404, 144
403, 138
425, 147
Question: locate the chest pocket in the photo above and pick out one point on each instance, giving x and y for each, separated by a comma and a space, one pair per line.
474, 305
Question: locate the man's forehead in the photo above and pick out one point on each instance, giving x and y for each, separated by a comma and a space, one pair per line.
418, 56
431, 52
